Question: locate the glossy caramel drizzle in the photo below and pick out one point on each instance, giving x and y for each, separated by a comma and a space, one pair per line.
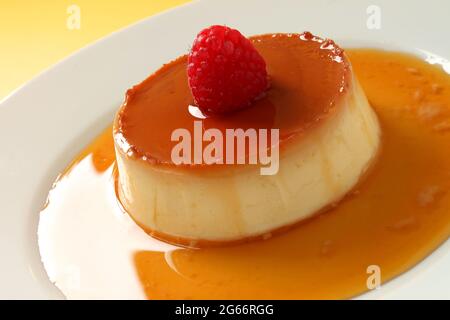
394, 219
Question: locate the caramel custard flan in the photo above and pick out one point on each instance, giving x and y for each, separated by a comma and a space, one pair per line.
328, 137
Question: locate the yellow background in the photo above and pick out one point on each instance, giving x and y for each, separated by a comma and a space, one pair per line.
34, 33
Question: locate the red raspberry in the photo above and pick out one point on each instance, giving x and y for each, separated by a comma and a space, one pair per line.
225, 71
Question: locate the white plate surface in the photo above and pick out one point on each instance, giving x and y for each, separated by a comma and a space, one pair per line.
49, 120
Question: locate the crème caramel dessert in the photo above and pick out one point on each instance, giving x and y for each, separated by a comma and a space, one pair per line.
328, 136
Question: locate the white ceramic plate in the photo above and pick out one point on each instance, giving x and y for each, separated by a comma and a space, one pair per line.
49, 120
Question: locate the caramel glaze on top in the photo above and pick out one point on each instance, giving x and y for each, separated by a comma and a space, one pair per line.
308, 76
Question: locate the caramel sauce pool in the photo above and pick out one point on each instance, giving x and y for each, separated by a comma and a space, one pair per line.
394, 219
